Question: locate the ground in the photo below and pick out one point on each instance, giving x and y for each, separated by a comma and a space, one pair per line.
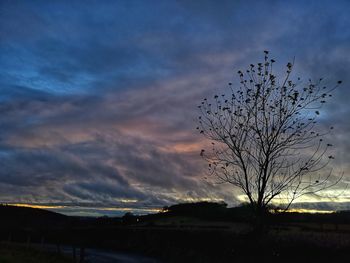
22, 254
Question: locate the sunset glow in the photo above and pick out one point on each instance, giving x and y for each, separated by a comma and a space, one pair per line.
99, 102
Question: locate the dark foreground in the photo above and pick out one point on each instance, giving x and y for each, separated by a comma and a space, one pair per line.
35, 253
182, 238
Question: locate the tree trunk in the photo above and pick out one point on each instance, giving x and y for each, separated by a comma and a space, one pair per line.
82, 255
260, 224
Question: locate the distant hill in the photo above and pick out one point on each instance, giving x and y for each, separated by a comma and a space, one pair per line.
26, 217
211, 211
207, 211
14, 216
199, 209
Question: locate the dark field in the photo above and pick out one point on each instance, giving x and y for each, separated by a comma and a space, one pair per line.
17, 253
183, 236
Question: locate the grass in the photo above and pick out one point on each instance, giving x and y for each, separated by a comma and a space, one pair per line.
20, 254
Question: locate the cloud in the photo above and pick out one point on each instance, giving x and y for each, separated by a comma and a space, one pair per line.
98, 101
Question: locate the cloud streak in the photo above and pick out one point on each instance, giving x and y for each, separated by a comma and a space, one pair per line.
98, 101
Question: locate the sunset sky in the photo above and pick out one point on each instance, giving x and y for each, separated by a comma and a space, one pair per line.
98, 99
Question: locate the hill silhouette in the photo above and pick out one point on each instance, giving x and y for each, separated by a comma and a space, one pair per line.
14, 216
188, 232
211, 211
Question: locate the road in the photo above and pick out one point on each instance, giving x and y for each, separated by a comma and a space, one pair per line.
99, 256
102, 256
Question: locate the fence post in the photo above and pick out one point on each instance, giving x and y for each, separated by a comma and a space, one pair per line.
82, 254
42, 242
74, 254
28, 241
58, 248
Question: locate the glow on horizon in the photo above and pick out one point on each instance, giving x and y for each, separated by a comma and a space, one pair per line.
147, 210
330, 196
58, 207
310, 211
40, 206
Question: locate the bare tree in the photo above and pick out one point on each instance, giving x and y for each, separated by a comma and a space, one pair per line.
264, 136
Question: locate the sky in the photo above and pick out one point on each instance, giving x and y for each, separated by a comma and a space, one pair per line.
98, 99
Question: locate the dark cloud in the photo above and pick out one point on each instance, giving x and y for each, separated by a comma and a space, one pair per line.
98, 100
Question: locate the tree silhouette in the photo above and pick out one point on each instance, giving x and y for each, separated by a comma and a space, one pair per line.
264, 136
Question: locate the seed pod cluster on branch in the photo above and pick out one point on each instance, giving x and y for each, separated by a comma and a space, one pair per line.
265, 136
